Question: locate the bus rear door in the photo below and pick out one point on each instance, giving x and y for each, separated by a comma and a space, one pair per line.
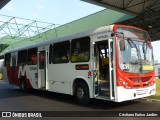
42, 67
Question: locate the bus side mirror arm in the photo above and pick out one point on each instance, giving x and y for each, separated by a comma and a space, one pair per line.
95, 49
121, 42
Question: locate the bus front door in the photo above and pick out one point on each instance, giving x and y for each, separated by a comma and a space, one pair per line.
103, 70
42, 69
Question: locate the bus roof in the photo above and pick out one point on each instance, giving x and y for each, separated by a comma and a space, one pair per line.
70, 37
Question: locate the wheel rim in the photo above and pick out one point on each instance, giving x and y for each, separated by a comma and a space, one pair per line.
80, 93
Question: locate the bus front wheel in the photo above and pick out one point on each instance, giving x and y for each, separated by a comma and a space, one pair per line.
82, 93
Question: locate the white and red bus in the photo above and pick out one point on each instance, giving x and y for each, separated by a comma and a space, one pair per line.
113, 63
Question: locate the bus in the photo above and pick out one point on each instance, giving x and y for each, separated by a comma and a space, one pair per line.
112, 63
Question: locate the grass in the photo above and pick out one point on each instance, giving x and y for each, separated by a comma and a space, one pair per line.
157, 95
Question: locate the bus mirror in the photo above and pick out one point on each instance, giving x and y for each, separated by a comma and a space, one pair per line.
122, 45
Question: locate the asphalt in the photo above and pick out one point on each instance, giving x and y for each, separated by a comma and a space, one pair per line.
13, 99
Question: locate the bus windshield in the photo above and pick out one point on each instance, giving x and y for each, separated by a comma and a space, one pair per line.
136, 55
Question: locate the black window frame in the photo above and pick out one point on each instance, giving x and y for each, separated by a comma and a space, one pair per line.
50, 53
77, 53
59, 47
29, 60
22, 57
7, 59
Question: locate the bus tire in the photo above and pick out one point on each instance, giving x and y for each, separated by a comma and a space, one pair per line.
23, 85
82, 93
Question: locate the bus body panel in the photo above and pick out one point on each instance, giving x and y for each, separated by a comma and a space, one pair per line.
130, 94
31, 72
61, 80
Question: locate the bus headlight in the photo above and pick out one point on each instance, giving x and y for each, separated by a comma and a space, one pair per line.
125, 84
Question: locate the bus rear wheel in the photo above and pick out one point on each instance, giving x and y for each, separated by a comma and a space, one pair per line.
82, 93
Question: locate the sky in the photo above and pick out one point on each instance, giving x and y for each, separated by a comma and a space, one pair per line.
57, 12
52, 11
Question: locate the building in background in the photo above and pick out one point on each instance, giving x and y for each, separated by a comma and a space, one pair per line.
157, 68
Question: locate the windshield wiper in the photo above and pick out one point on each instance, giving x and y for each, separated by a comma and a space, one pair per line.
135, 62
133, 45
144, 48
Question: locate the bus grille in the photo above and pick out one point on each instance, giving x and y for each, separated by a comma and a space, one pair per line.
140, 79
142, 92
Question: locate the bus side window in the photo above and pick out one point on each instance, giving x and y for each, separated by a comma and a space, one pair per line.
42, 60
14, 61
32, 56
7, 59
22, 57
61, 52
50, 53
80, 50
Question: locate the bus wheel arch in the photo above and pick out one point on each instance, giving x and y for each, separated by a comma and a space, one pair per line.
81, 91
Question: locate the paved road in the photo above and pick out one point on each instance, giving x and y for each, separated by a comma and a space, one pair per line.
13, 99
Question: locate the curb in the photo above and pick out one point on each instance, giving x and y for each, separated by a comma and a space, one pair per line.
150, 100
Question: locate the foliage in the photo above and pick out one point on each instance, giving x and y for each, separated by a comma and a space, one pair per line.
157, 95
3, 46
